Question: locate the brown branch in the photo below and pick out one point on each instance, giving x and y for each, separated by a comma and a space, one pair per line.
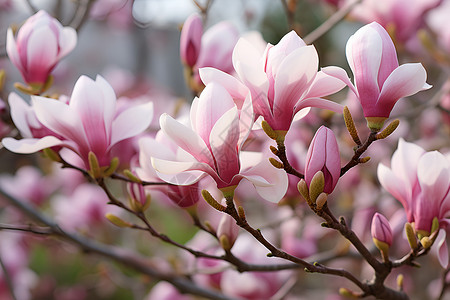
354, 161
120, 255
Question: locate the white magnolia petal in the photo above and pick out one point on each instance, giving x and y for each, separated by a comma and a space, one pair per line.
404, 81
442, 249
67, 41
26, 146
41, 55
59, 118
324, 85
11, 49
20, 112
394, 186
340, 74
185, 138
234, 87
131, 122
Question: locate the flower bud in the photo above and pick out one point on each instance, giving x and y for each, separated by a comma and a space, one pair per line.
323, 155
381, 234
139, 200
191, 40
227, 231
40, 43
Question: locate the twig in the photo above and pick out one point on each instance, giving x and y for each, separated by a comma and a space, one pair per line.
125, 257
358, 152
330, 22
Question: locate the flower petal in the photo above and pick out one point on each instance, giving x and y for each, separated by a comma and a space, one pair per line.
324, 85
234, 87
11, 49
442, 249
67, 41
185, 138
20, 111
404, 81
26, 146
340, 74
131, 122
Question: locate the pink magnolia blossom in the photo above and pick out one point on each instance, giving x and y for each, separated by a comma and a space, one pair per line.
323, 155
282, 80
437, 20
420, 180
379, 81
213, 144
88, 123
191, 40
41, 42
161, 146
381, 230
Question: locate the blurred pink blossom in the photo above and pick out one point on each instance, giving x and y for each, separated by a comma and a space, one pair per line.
420, 180
191, 40
41, 42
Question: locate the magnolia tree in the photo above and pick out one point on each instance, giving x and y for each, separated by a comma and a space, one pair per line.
279, 175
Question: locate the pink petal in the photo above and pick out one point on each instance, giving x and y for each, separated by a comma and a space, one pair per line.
59, 118
324, 85
11, 49
433, 172
234, 87
404, 81
395, 187
26, 146
131, 122
340, 74
67, 41
292, 80
41, 50
181, 172
224, 139
319, 103
442, 249
19, 114
364, 51
208, 108
270, 183
185, 138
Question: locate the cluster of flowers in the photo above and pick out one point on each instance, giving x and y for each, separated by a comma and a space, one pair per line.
244, 85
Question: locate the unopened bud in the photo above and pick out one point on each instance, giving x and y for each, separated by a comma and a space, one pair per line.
347, 293
363, 160
303, 190
94, 167
117, 221
435, 225
112, 167
317, 185
321, 200
2, 79
411, 236
227, 231
426, 242
274, 150
388, 130
277, 164
131, 176
211, 201
268, 130
350, 124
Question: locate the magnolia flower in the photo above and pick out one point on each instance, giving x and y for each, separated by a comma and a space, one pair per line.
41, 42
379, 81
160, 146
420, 180
282, 81
212, 145
323, 155
88, 123
191, 40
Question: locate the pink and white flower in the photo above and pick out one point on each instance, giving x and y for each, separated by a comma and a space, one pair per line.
379, 81
213, 144
41, 43
88, 123
191, 40
420, 180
